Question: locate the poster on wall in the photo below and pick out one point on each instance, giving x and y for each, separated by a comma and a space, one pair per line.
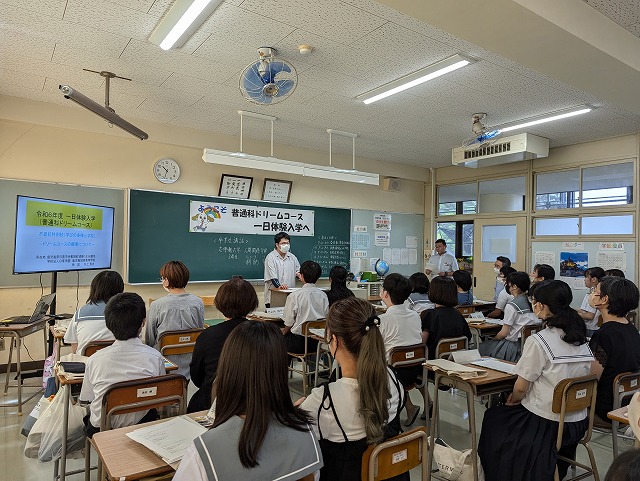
545, 257
382, 221
573, 264
612, 260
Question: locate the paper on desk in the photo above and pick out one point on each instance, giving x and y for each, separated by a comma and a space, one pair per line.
269, 315
466, 356
495, 364
455, 369
318, 332
169, 439
498, 322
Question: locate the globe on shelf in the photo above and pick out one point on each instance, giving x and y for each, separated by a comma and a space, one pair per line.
381, 267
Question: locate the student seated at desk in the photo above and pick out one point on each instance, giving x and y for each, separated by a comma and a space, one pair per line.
88, 322
517, 314
542, 272
463, 282
339, 290
235, 299
518, 439
616, 345
257, 434
503, 296
400, 327
177, 311
363, 406
126, 359
591, 315
419, 297
306, 304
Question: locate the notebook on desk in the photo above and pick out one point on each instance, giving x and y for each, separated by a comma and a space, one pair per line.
42, 306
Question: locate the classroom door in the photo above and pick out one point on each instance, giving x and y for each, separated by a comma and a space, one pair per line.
492, 238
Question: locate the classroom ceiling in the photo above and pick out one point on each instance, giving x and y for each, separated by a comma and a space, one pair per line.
357, 45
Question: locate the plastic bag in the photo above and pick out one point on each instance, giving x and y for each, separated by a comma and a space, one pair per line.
45, 439
33, 416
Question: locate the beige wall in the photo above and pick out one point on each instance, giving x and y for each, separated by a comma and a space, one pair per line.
66, 144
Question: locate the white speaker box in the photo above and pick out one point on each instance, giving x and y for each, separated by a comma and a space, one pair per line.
391, 184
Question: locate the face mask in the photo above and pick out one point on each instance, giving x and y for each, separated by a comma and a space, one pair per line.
285, 248
592, 301
496, 270
502, 280
532, 279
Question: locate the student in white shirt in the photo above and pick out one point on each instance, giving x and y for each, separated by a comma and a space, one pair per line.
517, 314
503, 297
542, 272
501, 262
441, 263
280, 267
419, 297
401, 327
363, 406
591, 315
126, 359
518, 439
88, 322
257, 433
305, 304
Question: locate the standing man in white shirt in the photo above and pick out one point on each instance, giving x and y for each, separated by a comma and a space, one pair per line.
441, 263
280, 267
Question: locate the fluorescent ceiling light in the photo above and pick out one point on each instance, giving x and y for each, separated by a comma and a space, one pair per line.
184, 18
273, 164
416, 78
563, 114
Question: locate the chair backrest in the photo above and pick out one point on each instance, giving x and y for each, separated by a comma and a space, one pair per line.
448, 345
178, 342
143, 394
92, 347
528, 331
466, 310
396, 456
407, 356
625, 385
208, 301
574, 394
632, 317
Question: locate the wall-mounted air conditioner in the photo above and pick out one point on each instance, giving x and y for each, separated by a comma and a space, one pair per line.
504, 150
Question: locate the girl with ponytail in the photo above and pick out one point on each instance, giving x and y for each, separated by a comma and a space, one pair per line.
363, 406
518, 439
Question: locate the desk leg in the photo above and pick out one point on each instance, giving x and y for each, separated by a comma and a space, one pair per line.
65, 432
472, 425
6, 384
432, 429
19, 369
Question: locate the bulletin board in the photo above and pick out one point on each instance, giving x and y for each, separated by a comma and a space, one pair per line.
570, 259
395, 237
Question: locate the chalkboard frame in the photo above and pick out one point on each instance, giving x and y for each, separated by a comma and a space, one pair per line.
158, 215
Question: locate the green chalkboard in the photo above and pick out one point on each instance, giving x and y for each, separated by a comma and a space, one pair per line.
159, 232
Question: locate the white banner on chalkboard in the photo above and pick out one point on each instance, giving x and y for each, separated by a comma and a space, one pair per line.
223, 218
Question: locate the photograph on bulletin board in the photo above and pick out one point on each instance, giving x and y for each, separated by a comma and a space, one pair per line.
235, 186
573, 264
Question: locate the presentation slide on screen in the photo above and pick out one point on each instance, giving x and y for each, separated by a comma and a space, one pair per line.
55, 235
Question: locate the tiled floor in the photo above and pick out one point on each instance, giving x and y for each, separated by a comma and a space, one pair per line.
15, 466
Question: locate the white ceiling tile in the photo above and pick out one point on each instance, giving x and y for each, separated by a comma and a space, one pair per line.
51, 8
28, 45
623, 12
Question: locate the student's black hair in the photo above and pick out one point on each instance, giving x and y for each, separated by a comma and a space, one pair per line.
398, 287
519, 279
124, 315
279, 236
236, 298
622, 293
105, 285
625, 467
311, 271
339, 290
506, 270
440, 241
257, 387
557, 296
614, 273
546, 271
463, 280
443, 291
595, 272
506, 262
419, 283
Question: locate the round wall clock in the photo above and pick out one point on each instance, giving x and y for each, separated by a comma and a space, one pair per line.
166, 170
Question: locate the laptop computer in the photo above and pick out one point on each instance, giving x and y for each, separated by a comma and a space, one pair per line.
42, 306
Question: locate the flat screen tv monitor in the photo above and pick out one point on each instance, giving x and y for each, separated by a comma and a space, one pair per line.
56, 236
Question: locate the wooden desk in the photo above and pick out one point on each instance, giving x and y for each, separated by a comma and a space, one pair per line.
279, 296
619, 415
17, 332
258, 317
493, 383
125, 459
483, 330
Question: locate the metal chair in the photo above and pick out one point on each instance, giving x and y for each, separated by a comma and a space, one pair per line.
396, 456
466, 310
178, 342
570, 395
527, 331
447, 345
126, 397
92, 347
305, 356
625, 385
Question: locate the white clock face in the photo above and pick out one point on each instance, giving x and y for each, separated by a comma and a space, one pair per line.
166, 171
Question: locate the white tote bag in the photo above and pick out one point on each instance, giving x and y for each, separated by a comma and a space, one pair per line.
455, 465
